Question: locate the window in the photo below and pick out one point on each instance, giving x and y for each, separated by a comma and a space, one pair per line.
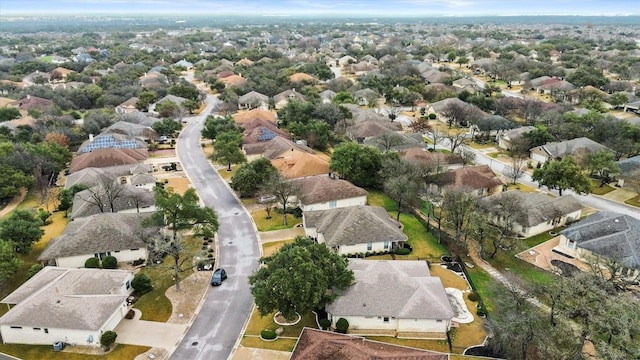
332, 204
134, 249
386, 245
385, 319
128, 285
439, 320
16, 327
369, 246
572, 244
36, 329
46, 331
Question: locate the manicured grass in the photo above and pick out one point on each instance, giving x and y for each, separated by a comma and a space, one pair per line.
272, 247
378, 198
258, 323
227, 175
521, 187
635, 201
481, 146
275, 223
506, 262
45, 352
484, 284
596, 189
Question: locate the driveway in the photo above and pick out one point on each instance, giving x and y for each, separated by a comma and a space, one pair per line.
149, 333
226, 309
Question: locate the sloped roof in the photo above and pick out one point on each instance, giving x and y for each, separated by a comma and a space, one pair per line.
300, 164
288, 94
569, 147
612, 235
472, 177
323, 188
234, 80
275, 147
81, 299
398, 289
354, 225
300, 77
175, 99
100, 233
261, 130
91, 176
83, 205
107, 157
370, 128
112, 140
242, 117
395, 140
314, 344
513, 134
441, 105
252, 96
131, 129
533, 208
421, 156
630, 166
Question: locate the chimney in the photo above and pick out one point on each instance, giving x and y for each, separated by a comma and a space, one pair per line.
28, 97
91, 137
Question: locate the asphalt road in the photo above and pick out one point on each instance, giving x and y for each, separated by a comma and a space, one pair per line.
226, 308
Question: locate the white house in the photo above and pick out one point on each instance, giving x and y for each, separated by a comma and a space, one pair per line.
393, 298
74, 306
578, 147
354, 230
324, 192
106, 234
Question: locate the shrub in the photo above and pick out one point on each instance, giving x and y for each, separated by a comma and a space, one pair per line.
403, 251
142, 284
268, 334
481, 311
92, 263
324, 323
44, 215
108, 338
130, 315
432, 116
342, 325
473, 296
109, 262
33, 270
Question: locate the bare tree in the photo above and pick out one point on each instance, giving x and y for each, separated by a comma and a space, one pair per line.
454, 112
467, 155
456, 139
106, 193
436, 136
459, 205
388, 140
282, 189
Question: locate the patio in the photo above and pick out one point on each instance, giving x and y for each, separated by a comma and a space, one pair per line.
542, 256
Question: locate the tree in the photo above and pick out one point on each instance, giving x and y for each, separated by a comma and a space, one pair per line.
141, 284
57, 137
109, 262
298, 277
181, 212
185, 90
283, 190
108, 338
251, 177
618, 99
168, 109
459, 205
226, 149
216, 125
145, 99
456, 139
343, 97
421, 125
401, 182
105, 194
561, 175
9, 113
357, 164
21, 228
11, 180
602, 164
9, 262
92, 263
166, 127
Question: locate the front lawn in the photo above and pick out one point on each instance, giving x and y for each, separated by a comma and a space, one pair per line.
270, 248
597, 189
227, 175
521, 187
258, 323
635, 201
275, 223
45, 352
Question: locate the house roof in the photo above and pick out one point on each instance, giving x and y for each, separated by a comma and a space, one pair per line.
314, 344
396, 141
257, 130
300, 164
257, 113
275, 147
300, 77
513, 134
630, 165
112, 140
84, 205
532, 208
473, 177
251, 97
107, 157
398, 289
132, 130
424, 157
354, 225
100, 233
612, 235
91, 176
130, 103
571, 147
323, 188
81, 299
175, 99
287, 94
234, 80
32, 102
441, 105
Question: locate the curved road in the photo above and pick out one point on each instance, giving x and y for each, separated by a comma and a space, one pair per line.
226, 308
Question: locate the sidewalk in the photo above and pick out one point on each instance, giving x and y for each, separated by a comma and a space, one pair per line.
279, 235
14, 202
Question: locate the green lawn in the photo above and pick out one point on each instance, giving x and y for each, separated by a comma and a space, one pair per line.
258, 323
484, 284
635, 201
45, 352
275, 223
596, 189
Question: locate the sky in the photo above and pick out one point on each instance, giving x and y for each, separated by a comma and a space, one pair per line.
322, 8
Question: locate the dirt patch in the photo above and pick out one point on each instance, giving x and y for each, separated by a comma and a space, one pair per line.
185, 302
179, 185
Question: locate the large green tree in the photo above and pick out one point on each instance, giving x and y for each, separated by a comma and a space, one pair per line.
11, 180
226, 149
561, 175
298, 279
9, 262
166, 127
251, 177
177, 213
357, 164
283, 190
22, 229
602, 164
216, 125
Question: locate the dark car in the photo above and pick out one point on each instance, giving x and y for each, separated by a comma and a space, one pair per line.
218, 277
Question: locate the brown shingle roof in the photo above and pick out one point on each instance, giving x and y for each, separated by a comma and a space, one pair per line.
258, 113
422, 157
316, 344
256, 128
107, 157
322, 188
300, 164
300, 77
275, 148
472, 177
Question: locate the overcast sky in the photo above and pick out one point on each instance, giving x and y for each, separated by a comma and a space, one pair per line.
326, 7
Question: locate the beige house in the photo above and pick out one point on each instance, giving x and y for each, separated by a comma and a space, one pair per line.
479, 180
324, 192
578, 148
393, 298
74, 306
282, 99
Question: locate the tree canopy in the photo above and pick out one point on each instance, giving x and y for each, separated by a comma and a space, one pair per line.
561, 175
357, 164
21, 228
296, 279
251, 177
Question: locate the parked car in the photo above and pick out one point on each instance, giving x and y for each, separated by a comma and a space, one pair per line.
218, 277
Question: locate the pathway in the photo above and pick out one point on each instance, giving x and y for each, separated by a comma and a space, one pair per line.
14, 202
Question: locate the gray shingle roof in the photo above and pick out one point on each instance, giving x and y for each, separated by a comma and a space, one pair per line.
322, 188
82, 299
399, 289
100, 233
612, 235
131, 198
572, 147
533, 208
354, 225
630, 165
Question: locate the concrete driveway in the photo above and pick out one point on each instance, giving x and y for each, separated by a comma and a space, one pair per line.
149, 333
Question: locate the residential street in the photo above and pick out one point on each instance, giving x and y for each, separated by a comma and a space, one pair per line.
226, 308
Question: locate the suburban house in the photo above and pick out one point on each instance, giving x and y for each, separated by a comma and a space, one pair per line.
94, 176
258, 130
107, 157
324, 192
436, 161
282, 99
32, 103
392, 140
354, 230
366, 129
533, 213
578, 147
274, 148
506, 138
327, 96
127, 198
252, 100
314, 344
393, 298
136, 131
106, 234
127, 106
629, 172
479, 180
603, 237
73, 306
300, 164
257, 113
110, 141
